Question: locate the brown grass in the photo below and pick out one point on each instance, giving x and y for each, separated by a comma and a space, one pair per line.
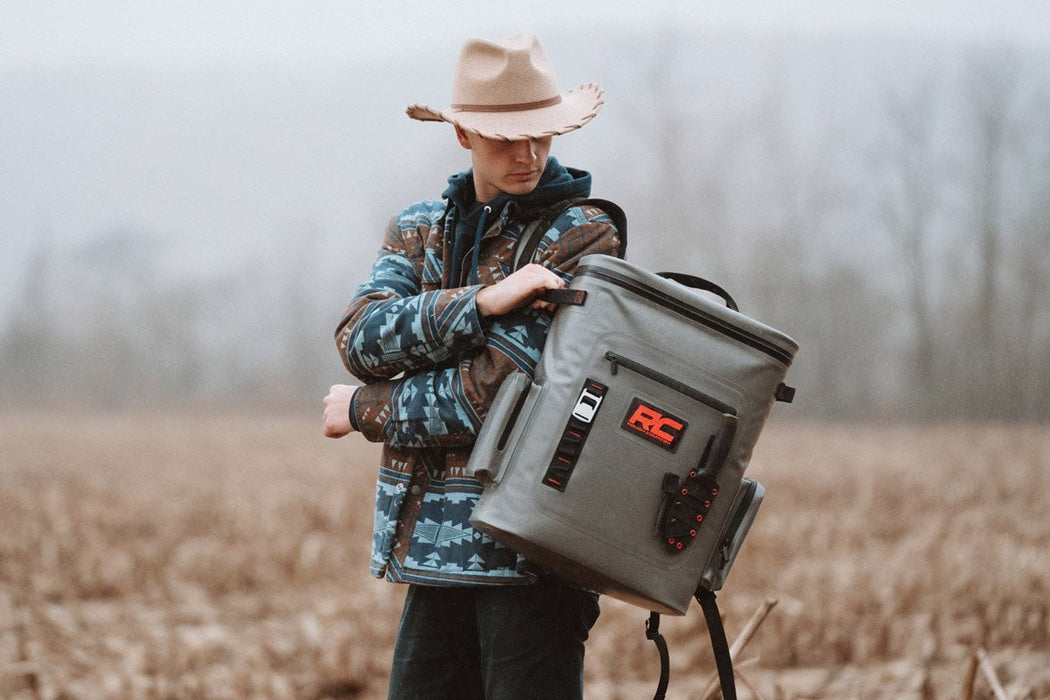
163, 556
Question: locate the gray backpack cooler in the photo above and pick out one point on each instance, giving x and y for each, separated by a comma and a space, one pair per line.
620, 466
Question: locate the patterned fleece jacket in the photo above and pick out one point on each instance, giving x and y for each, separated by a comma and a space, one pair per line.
431, 365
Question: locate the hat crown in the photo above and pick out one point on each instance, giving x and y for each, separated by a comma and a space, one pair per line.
508, 73
506, 90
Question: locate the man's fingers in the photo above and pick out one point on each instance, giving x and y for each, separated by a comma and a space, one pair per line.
520, 289
546, 278
543, 279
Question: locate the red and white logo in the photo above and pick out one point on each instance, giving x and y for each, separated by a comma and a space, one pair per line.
654, 424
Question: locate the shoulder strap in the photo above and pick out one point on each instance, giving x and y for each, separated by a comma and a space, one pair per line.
528, 242
652, 631
530, 237
719, 644
619, 217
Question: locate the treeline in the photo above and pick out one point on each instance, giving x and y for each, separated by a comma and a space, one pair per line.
893, 217
107, 324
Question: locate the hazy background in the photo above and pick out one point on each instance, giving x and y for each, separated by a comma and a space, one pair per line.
190, 191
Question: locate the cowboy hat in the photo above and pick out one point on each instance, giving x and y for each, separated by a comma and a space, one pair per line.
506, 90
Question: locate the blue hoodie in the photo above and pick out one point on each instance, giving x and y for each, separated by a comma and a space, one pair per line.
558, 183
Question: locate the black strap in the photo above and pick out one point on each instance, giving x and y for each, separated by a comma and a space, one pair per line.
572, 297
719, 644
619, 217
532, 234
701, 284
652, 631
784, 393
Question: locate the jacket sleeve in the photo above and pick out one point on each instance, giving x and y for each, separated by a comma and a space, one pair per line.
391, 327
445, 406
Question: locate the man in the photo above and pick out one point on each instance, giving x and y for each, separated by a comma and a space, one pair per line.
441, 321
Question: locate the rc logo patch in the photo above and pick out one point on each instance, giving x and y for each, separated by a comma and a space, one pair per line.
654, 424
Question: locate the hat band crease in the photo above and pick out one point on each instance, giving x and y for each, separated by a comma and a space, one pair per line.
521, 107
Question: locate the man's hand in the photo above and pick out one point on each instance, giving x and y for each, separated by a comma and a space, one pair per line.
337, 410
518, 289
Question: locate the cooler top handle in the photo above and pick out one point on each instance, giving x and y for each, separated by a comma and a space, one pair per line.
702, 284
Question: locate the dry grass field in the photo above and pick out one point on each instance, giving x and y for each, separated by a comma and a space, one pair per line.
207, 556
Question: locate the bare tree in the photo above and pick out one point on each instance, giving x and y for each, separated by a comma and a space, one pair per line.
994, 92
1029, 264
26, 350
908, 179
685, 179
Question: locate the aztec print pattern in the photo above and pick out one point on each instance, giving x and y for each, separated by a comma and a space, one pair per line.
431, 367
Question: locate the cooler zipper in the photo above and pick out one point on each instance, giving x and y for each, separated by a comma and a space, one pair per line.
619, 360
687, 311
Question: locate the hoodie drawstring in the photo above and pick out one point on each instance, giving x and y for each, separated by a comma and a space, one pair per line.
473, 279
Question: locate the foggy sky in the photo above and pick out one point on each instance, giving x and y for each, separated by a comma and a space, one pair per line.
327, 32
224, 126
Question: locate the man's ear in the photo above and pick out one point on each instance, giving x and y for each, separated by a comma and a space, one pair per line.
461, 136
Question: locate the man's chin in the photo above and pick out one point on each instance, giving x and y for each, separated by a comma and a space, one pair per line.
521, 187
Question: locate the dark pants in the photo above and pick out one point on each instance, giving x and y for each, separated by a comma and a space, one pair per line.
492, 643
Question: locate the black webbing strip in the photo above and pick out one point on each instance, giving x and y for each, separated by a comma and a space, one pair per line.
719, 643
569, 445
652, 631
573, 297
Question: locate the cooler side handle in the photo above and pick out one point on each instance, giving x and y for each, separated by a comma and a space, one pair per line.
486, 459
745, 509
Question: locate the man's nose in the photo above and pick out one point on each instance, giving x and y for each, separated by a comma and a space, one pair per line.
526, 150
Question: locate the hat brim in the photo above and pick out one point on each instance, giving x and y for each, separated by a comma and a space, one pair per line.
577, 107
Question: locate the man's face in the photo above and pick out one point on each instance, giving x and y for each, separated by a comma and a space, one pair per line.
509, 167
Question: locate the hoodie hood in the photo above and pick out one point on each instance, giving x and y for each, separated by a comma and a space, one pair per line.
557, 184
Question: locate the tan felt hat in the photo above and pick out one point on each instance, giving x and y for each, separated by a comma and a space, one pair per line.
506, 90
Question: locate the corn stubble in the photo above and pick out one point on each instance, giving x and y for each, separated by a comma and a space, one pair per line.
217, 556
